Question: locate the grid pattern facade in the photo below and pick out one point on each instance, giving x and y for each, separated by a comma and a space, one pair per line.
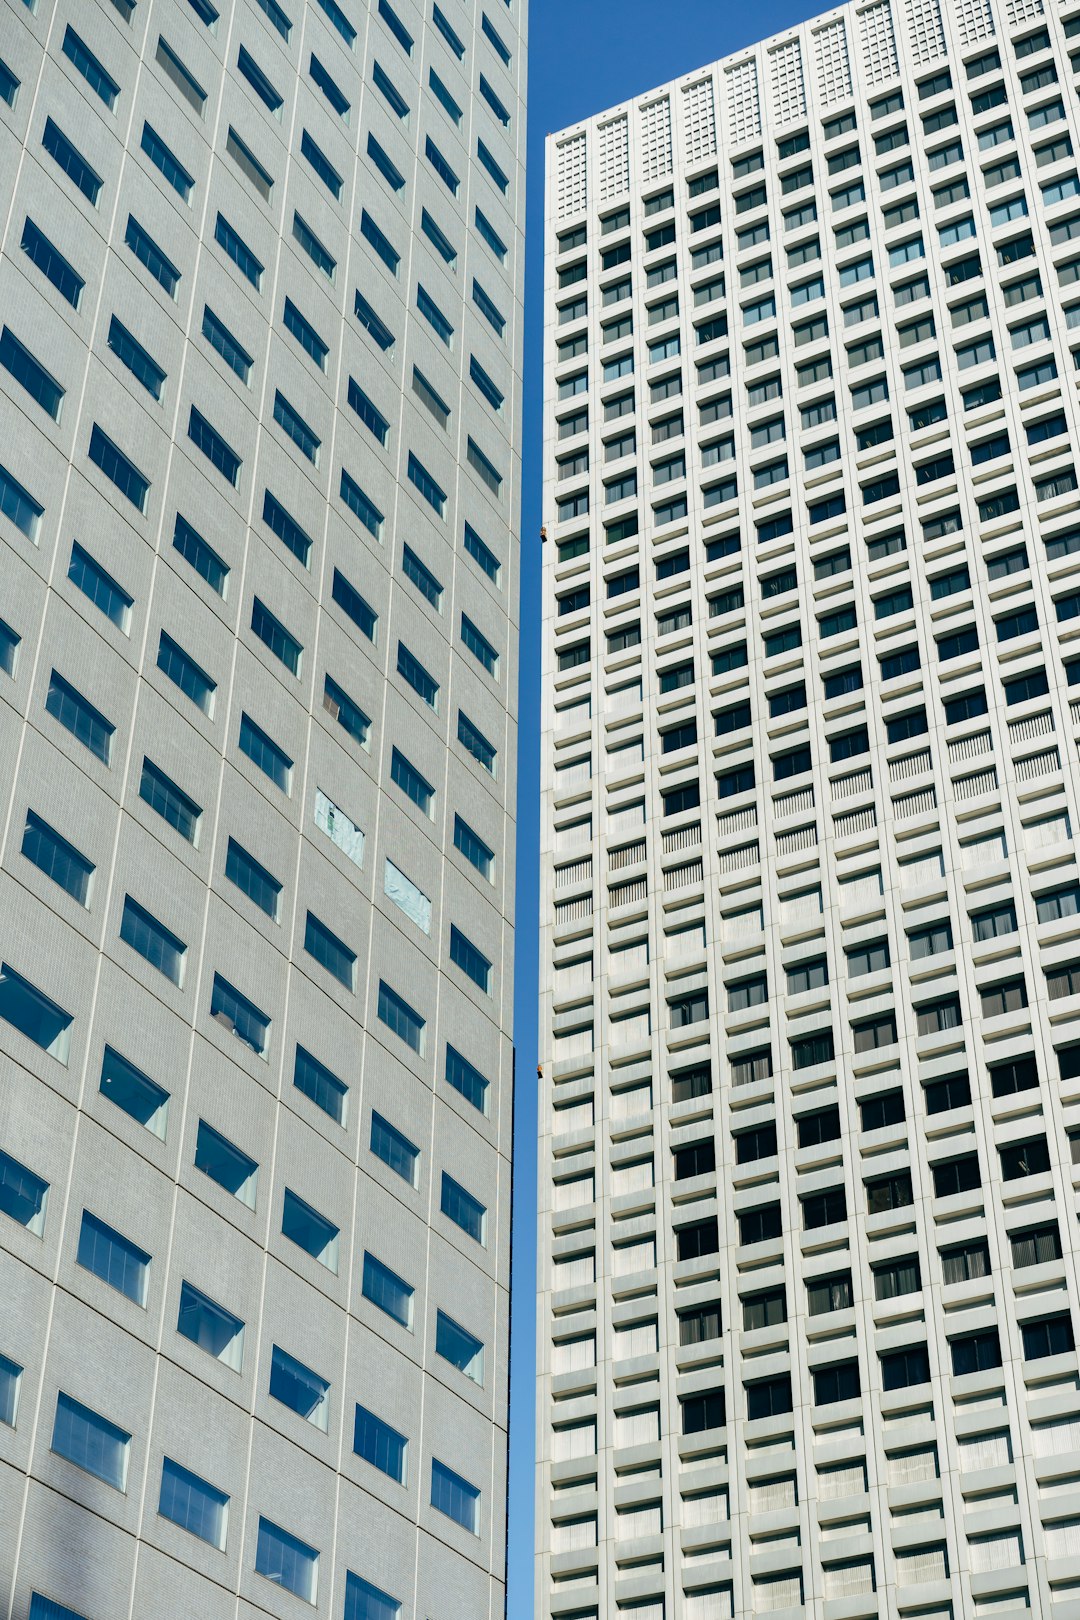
810, 1106
260, 330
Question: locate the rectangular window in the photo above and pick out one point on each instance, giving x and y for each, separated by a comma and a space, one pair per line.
403, 1020
299, 542
321, 165
152, 940
10, 1377
287, 1561
79, 716
23, 1195
459, 1347
368, 412
214, 447
319, 1083
265, 753
118, 469
479, 646
174, 69
309, 1230
252, 879
54, 267
330, 951
240, 1016
497, 321
334, 95
194, 1504
170, 802
345, 711
210, 1326
203, 558
462, 1208
59, 860
185, 673
90, 1441
299, 1388
113, 1258
365, 509
475, 743
466, 1079
394, 1149
411, 783
162, 158
319, 255
384, 1448
386, 1290
226, 1164
274, 635
454, 1496
131, 354
74, 165
472, 846
235, 248
30, 374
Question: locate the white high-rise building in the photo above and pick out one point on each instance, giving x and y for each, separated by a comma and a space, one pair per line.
810, 901
260, 334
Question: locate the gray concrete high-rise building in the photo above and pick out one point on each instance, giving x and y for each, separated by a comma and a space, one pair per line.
810, 1015
260, 341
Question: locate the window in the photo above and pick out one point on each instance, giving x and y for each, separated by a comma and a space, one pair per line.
162, 158
475, 743
170, 802
52, 264
459, 1347
1051, 1337
389, 1292
10, 1378
472, 846
194, 1504
186, 674
214, 447
113, 1258
384, 1448
1038, 1246
72, 162
118, 469
888, 1192
330, 951
239, 1016
298, 1388
23, 1195
38, 383
334, 95
1022, 1159
838, 1382
152, 940
134, 1092
90, 1441
309, 1230
466, 1079
826, 1294
58, 859
454, 1496
194, 550
956, 1176
402, 1019
904, 1368
472, 962
286, 1560
965, 1261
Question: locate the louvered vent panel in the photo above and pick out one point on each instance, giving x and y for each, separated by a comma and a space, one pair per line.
787, 86
570, 179
614, 143
833, 65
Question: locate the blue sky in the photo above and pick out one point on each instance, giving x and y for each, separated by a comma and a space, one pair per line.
585, 55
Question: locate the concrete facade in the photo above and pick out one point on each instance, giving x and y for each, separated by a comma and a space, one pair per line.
811, 952
260, 290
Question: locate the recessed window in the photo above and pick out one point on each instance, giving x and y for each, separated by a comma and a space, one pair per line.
384, 1448
309, 1230
265, 753
454, 1496
152, 940
461, 1348
185, 673
330, 951
394, 1149
33, 1014
466, 1079
90, 1441
300, 1389
287, 1561
319, 1083
226, 1164
210, 1326
194, 1504
385, 1289
239, 1016
462, 1208
10, 1379
59, 860
114, 1258
134, 1092
23, 1195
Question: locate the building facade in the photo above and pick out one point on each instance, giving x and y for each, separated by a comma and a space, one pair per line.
810, 901
259, 483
